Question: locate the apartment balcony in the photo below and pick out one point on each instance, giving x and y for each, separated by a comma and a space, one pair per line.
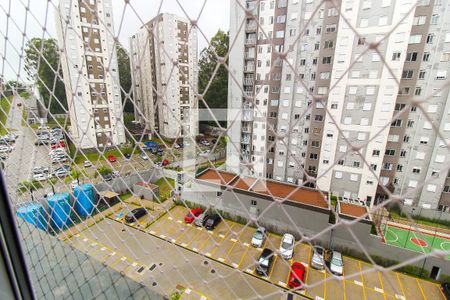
248, 81
247, 115
249, 69
250, 27
248, 93
249, 55
250, 42
246, 129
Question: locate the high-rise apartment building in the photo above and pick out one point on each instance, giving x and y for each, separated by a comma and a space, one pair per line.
292, 59
165, 74
89, 63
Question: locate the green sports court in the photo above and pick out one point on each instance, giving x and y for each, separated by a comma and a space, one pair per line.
414, 240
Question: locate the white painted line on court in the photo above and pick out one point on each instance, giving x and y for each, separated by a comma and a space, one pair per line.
235, 265
221, 259
234, 240
399, 297
319, 298
221, 235
134, 264
379, 290
183, 244
358, 282
246, 244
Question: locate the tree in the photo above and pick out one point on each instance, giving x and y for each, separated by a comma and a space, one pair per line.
217, 93
42, 64
123, 61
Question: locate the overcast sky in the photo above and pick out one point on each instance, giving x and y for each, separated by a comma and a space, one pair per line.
215, 15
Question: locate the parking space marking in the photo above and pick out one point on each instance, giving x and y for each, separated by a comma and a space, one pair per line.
325, 285
362, 279
307, 269
401, 286
381, 283
273, 264
343, 281
421, 290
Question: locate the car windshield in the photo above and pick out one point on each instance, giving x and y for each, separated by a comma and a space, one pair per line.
336, 262
318, 251
258, 235
286, 245
264, 262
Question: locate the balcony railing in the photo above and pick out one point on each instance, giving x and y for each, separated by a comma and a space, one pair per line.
249, 68
250, 42
248, 81
250, 27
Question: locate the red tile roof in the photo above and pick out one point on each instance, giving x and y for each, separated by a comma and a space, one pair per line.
267, 187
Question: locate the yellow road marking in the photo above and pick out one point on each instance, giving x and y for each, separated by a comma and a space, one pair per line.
242, 257
382, 287
325, 284
309, 265
199, 231
401, 285
421, 290
223, 238
235, 241
362, 279
183, 233
273, 267
289, 272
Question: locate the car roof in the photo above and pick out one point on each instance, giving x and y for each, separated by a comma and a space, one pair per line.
337, 254
266, 252
288, 237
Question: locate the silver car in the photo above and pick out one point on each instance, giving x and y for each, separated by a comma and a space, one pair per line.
337, 264
259, 237
317, 260
199, 220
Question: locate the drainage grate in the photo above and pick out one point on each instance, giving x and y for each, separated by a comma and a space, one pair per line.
140, 270
152, 267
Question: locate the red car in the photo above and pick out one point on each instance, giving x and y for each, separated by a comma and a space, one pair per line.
112, 158
165, 163
58, 145
195, 212
297, 276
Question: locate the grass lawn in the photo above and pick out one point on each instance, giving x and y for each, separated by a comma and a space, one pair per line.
94, 156
166, 185
59, 122
5, 106
125, 196
430, 223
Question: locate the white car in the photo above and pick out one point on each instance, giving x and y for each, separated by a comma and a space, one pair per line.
205, 153
87, 164
40, 170
5, 149
144, 156
259, 237
40, 177
317, 260
57, 151
287, 246
176, 146
336, 263
74, 184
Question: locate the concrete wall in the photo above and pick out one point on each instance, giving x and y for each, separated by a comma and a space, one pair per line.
146, 192
426, 213
123, 185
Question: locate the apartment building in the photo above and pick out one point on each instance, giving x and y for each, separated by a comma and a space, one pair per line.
165, 74
85, 31
293, 60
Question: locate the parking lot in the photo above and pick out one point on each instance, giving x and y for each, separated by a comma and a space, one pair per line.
229, 243
229, 246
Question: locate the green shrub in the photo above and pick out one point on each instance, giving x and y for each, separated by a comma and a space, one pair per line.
373, 229
332, 217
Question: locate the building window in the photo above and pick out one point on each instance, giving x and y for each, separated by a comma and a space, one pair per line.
390, 152
426, 56
407, 74
376, 153
430, 38
411, 56
326, 60
396, 55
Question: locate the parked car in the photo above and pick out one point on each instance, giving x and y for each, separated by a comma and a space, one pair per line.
19, 104
336, 263
445, 288
165, 162
59, 159
57, 151
135, 214
41, 142
265, 262
212, 222
5, 149
259, 237
112, 158
58, 145
87, 164
40, 177
11, 137
144, 156
61, 172
205, 142
40, 170
107, 177
127, 155
201, 219
205, 152
176, 146
297, 276
317, 260
193, 213
74, 184
287, 246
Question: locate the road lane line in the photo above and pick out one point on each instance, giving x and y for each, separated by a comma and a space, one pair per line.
382, 287
421, 290
362, 279
401, 285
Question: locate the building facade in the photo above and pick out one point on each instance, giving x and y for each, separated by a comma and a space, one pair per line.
313, 93
164, 64
85, 31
